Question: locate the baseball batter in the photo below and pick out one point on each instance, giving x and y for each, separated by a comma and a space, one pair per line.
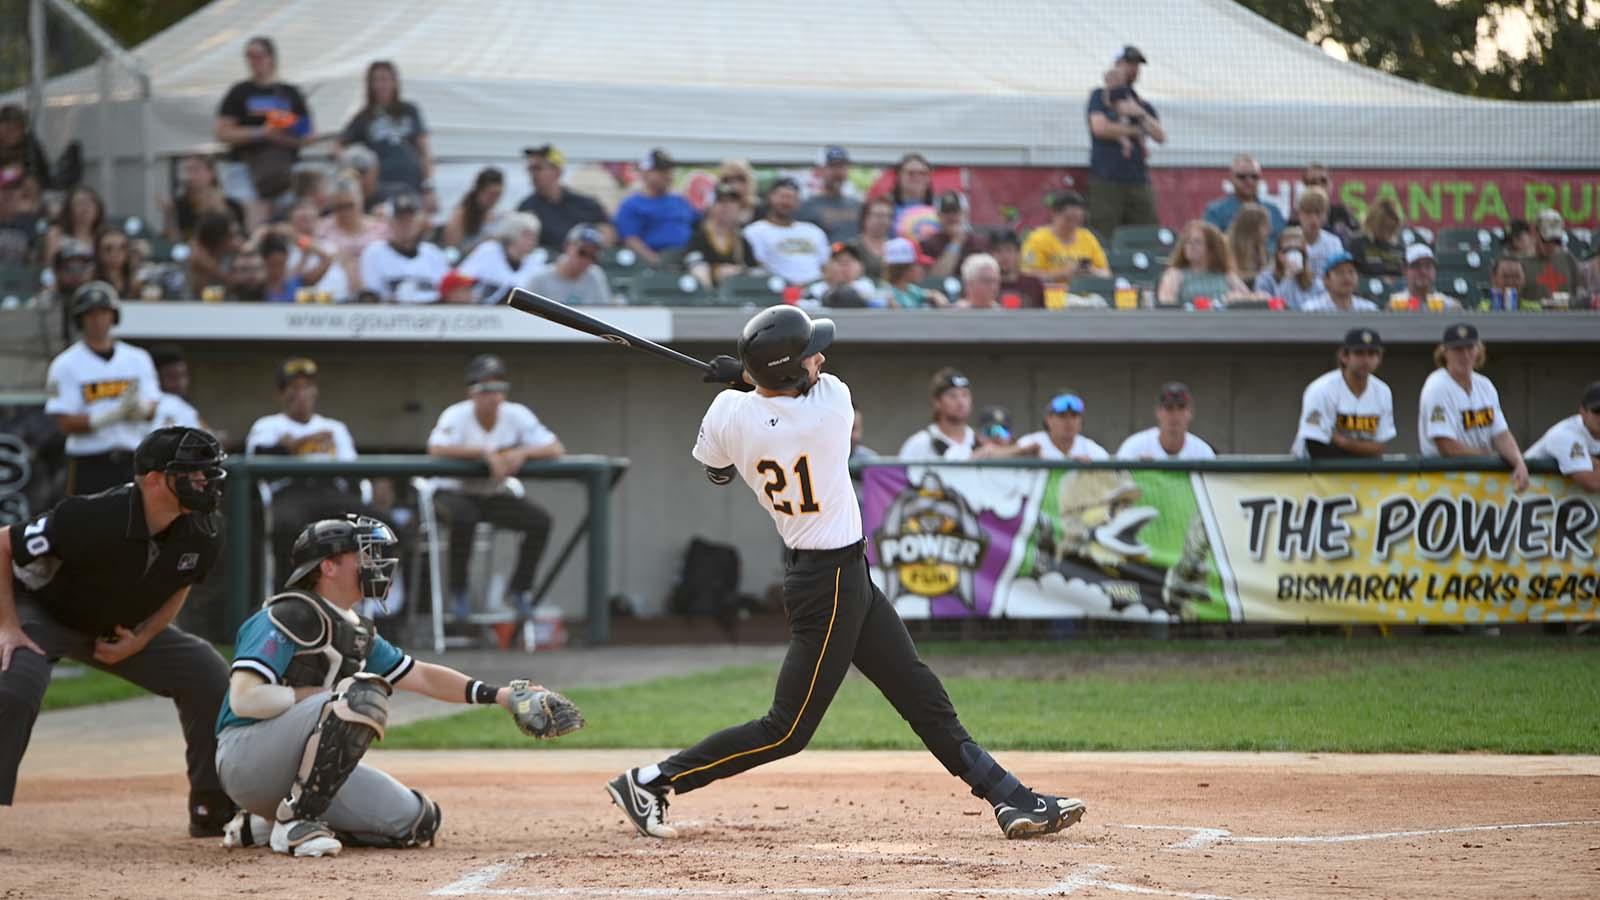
789, 440
309, 691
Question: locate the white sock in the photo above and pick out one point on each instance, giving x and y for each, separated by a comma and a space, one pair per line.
647, 774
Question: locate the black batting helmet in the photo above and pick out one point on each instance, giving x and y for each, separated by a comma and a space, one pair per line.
774, 342
92, 296
178, 450
352, 533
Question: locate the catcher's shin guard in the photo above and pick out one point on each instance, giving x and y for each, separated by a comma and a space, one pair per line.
421, 831
357, 713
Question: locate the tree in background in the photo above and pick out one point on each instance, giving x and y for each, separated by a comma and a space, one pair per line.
1437, 43
134, 21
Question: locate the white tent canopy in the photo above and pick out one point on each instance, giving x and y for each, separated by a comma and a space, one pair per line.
1002, 83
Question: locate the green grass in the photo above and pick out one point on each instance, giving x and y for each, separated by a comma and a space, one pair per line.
1508, 695
74, 684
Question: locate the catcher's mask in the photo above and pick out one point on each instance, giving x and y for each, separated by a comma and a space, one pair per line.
180, 453
371, 539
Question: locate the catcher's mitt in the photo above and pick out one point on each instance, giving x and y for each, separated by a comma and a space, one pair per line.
543, 713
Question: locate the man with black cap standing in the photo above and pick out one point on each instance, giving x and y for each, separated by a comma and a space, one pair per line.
100, 580
1574, 442
559, 209
1171, 438
102, 394
1459, 411
838, 215
504, 435
1348, 411
1119, 185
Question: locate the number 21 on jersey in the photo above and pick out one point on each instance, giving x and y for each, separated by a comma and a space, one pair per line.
778, 484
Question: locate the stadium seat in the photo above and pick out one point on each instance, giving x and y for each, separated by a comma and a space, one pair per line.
620, 266
949, 285
653, 287
748, 288
1453, 258
670, 260
1462, 284
1157, 239
19, 282
1479, 239
1142, 267
1089, 285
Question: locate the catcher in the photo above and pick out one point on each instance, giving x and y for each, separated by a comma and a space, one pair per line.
309, 691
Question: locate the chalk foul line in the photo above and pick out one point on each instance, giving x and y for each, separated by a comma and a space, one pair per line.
1205, 837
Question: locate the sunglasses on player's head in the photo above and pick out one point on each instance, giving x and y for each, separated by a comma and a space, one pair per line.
1067, 403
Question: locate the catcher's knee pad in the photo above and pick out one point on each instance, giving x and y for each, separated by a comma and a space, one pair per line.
358, 712
987, 778
421, 830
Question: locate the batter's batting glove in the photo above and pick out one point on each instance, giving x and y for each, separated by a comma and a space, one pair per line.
543, 713
728, 372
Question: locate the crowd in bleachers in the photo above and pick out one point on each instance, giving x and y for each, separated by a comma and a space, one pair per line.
366, 224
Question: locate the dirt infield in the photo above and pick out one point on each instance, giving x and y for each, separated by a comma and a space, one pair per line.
538, 824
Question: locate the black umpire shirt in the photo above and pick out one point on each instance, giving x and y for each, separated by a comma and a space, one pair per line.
92, 563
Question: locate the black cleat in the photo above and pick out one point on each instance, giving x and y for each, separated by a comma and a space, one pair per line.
1047, 816
645, 808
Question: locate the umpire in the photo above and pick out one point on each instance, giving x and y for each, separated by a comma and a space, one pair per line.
100, 579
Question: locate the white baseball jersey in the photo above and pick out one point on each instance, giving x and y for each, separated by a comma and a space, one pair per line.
794, 252
1472, 418
1146, 444
794, 452
1081, 447
1328, 406
82, 382
174, 410
491, 267
515, 425
1568, 443
931, 443
316, 438
397, 278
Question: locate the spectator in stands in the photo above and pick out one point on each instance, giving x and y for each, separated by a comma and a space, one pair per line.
792, 250
1200, 268
1506, 281
1551, 270
1421, 274
1245, 178
1291, 277
19, 149
405, 268
1574, 442
1589, 280
843, 283
350, 231
913, 186
1063, 437
1339, 288
1119, 185
1339, 220
1520, 240
980, 283
739, 176
655, 219
82, 218
837, 215
173, 407
475, 213
955, 240
948, 436
72, 268
1458, 411
198, 192
264, 121
457, 288
19, 217
719, 248
505, 436
507, 259
559, 210
903, 266
216, 239
1248, 240
1321, 244
876, 225
1171, 438
362, 165
393, 130
1379, 250
1064, 249
312, 261
282, 283
247, 275
113, 263
310, 181
1016, 289
574, 278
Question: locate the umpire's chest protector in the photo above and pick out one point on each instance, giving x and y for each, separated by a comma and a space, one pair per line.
329, 647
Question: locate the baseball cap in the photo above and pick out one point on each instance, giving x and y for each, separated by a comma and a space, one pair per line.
405, 204
945, 379
1064, 199
1591, 397
901, 251
1065, 402
1174, 393
995, 422
656, 159
295, 367
1417, 252
842, 249
72, 248
1358, 338
833, 153
1130, 53
1551, 228
784, 182
548, 153
584, 233
952, 201
1339, 259
454, 279
1462, 334
487, 372
166, 355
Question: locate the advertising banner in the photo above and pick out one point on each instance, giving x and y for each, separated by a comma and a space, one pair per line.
1229, 546
368, 322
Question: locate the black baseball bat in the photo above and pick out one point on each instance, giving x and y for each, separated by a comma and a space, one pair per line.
562, 314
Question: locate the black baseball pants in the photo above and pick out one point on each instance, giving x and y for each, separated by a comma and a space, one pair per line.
98, 472
465, 511
837, 617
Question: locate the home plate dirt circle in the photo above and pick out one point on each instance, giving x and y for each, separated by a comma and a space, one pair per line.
539, 824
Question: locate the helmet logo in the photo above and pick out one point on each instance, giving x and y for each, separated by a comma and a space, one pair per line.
780, 361
616, 339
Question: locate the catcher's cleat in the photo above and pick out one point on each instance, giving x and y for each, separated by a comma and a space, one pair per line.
645, 808
246, 830
304, 837
1047, 816
209, 812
